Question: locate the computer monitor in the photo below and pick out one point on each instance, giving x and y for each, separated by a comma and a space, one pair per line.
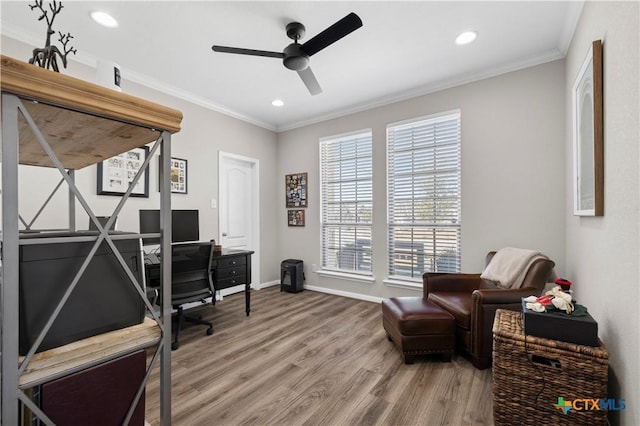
150, 224
103, 222
185, 225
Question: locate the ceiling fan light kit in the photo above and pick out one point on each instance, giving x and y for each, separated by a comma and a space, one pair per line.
296, 56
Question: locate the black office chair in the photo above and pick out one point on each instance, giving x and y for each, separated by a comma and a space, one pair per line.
190, 282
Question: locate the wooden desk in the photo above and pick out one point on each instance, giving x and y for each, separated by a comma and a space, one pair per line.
229, 269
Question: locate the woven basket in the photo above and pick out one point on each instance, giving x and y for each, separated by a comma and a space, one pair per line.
529, 375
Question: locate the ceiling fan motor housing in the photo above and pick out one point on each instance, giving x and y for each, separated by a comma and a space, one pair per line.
295, 58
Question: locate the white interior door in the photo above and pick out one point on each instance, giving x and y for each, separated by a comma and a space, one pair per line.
239, 214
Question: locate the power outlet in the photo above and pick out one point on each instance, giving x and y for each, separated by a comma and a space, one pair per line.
214, 203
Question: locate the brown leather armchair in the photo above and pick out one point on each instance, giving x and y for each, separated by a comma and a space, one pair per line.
473, 302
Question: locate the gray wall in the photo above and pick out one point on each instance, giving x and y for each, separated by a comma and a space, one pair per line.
602, 253
512, 171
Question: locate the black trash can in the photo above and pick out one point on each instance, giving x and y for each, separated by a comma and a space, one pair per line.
291, 275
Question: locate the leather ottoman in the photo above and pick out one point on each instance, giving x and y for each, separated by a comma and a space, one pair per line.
417, 326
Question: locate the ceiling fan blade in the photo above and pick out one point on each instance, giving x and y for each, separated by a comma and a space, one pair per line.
225, 49
335, 32
310, 81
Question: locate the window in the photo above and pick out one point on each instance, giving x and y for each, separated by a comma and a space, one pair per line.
424, 196
346, 171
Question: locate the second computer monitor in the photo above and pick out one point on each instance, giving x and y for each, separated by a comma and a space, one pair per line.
185, 225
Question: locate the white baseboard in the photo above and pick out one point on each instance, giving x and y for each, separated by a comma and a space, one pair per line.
240, 288
268, 284
344, 293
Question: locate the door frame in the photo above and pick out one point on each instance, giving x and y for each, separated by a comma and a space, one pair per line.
255, 214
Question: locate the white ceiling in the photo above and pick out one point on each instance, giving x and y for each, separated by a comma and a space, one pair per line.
403, 49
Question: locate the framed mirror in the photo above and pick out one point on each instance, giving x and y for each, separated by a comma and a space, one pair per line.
588, 161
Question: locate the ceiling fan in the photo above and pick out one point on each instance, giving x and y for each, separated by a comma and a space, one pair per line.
296, 56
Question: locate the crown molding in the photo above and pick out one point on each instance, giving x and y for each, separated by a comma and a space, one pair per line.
456, 81
574, 10
160, 86
573, 16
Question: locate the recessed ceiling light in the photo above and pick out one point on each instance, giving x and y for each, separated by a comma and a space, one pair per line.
277, 103
104, 19
466, 37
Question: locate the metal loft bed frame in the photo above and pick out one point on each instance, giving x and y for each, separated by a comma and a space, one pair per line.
37, 102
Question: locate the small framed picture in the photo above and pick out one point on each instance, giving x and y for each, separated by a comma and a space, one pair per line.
178, 175
117, 173
296, 190
295, 217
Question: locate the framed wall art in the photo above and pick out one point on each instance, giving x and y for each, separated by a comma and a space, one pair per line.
178, 175
295, 217
588, 136
116, 173
296, 190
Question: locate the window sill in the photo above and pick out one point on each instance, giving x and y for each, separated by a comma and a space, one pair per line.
351, 277
412, 285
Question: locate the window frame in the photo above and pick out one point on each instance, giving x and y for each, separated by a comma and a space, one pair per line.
326, 268
415, 256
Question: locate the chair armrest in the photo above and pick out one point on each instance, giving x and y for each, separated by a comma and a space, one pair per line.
484, 303
502, 296
464, 283
152, 295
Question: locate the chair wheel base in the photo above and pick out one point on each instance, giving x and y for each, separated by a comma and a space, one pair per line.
174, 346
209, 331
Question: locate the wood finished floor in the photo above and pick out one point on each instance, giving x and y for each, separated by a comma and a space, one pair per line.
312, 359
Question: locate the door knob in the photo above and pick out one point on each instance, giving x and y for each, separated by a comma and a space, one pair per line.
224, 234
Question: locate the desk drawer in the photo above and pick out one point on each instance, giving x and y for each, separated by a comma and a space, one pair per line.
230, 282
233, 272
227, 262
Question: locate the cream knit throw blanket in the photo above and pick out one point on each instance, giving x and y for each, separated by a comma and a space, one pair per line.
510, 265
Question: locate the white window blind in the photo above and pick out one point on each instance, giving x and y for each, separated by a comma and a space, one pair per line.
424, 196
346, 194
